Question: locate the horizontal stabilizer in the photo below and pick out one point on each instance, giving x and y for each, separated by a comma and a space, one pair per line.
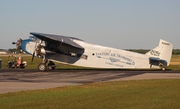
162, 53
157, 61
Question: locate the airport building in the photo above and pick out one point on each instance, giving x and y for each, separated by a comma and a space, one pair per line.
3, 52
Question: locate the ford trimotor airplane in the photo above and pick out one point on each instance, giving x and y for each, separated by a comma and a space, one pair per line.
70, 50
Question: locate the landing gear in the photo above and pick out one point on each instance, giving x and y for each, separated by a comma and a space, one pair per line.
163, 68
42, 66
51, 65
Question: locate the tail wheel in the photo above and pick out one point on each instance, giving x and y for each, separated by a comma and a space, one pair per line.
162, 67
42, 67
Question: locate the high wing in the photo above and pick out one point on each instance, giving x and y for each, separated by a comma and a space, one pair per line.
57, 39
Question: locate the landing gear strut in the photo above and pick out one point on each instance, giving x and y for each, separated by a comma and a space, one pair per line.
163, 68
51, 65
42, 66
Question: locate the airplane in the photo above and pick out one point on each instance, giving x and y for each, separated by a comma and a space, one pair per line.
74, 51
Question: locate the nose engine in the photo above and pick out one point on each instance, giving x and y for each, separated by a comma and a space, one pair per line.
18, 44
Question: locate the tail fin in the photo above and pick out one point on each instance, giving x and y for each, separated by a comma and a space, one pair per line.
162, 52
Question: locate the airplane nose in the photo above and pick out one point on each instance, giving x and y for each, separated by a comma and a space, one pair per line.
18, 44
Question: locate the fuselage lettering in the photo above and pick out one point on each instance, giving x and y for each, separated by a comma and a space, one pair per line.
164, 43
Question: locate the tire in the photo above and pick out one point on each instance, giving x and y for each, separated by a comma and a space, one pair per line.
42, 67
22, 66
10, 64
163, 68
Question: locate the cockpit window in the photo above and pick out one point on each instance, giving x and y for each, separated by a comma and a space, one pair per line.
37, 40
33, 38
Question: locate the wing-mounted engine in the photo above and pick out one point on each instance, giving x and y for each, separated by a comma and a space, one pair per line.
39, 51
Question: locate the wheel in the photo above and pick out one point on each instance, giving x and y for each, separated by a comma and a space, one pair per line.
8, 66
11, 64
163, 69
22, 66
42, 67
51, 65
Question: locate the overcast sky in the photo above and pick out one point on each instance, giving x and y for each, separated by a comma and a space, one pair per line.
123, 24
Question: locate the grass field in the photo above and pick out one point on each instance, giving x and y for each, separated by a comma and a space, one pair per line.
135, 94
175, 62
34, 64
141, 94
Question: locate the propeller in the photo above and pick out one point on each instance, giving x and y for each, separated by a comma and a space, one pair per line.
33, 53
33, 57
18, 44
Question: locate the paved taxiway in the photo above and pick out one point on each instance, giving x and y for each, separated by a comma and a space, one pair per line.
17, 80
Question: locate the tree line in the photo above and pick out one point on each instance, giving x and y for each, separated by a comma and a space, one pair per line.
143, 51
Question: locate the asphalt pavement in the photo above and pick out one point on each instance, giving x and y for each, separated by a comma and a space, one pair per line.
13, 80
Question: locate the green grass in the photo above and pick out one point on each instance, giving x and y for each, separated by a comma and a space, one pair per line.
34, 64
175, 58
140, 94
174, 67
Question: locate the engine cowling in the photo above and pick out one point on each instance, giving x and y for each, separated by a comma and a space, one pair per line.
40, 51
18, 44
